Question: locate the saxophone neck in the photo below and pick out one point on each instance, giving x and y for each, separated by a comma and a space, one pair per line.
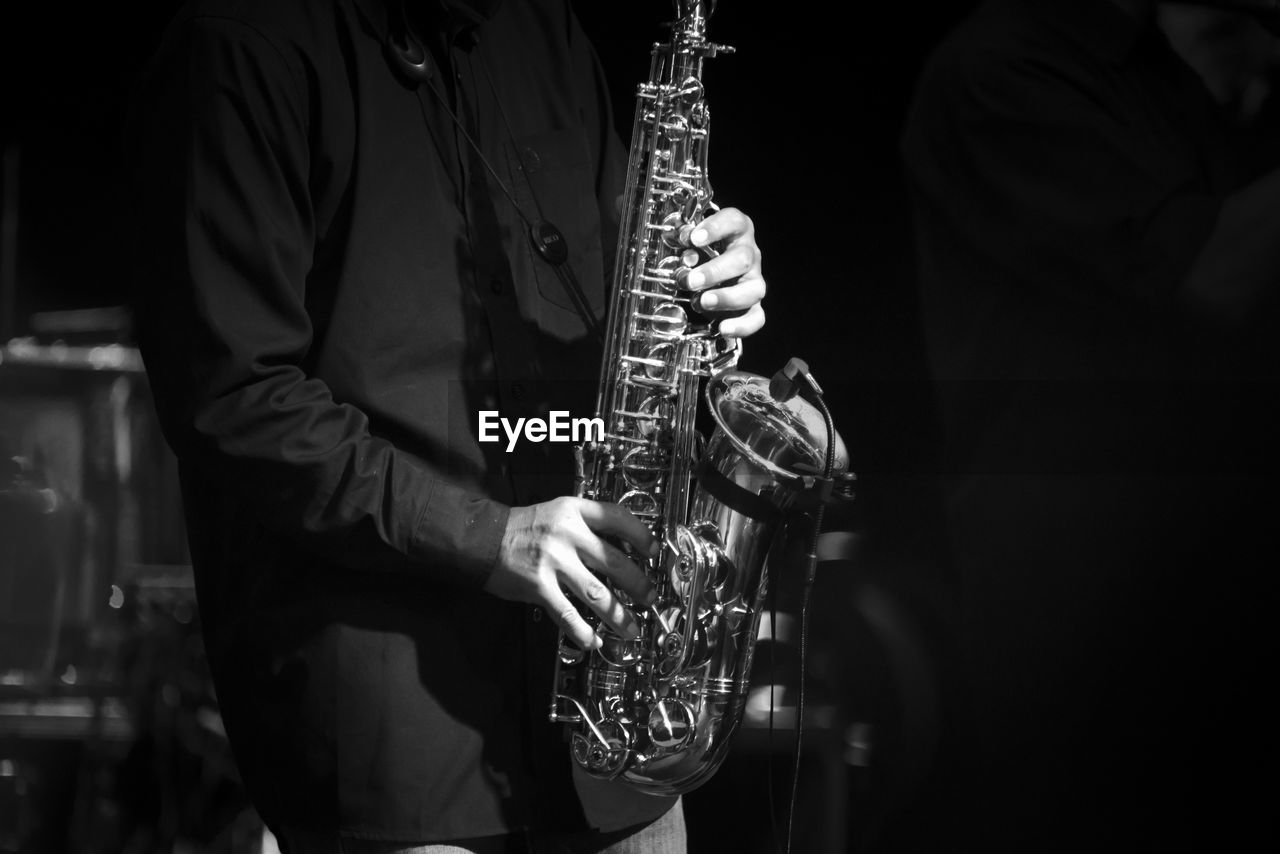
694, 12
689, 30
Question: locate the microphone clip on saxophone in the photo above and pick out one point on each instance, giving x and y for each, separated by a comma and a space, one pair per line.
785, 385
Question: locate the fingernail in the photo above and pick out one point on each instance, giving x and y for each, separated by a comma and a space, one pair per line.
696, 279
709, 300
698, 237
655, 549
596, 642
651, 597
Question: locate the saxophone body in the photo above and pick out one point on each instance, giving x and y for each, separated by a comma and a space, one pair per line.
658, 713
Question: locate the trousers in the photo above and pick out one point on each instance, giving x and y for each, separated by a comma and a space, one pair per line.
665, 835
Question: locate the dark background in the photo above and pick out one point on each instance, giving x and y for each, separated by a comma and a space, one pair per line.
806, 121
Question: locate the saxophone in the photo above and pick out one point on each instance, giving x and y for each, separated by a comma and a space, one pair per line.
658, 712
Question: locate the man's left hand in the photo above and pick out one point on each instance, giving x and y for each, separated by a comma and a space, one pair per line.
731, 284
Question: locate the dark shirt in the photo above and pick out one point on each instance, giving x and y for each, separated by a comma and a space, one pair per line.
331, 285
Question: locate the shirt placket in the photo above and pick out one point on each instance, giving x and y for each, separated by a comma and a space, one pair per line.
493, 282
518, 393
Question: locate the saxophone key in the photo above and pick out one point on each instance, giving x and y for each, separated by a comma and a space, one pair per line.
620, 652
644, 467
569, 653
668, 320
607, 681
604, 749
640, 504
672, 723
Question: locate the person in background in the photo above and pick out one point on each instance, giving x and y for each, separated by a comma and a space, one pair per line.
1098, 282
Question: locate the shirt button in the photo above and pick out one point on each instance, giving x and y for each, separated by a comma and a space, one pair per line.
517, 391
532, 161
496, 285
537, 614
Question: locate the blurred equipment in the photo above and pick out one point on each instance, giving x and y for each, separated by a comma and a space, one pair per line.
871, 732
177, 787
36, 528
9, 160
90, 527
87, 492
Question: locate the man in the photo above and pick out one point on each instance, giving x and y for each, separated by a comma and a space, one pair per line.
1098, 293
335, 279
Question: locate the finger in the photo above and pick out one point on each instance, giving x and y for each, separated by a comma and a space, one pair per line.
566, 616
724, 224
736, 261
612, 520
748, 324
609, 560
736, 297
596, 595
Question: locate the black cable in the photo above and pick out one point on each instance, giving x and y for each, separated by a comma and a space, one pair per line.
444, 105
563, 271
773, 670
804, 655
811, 571
568, 279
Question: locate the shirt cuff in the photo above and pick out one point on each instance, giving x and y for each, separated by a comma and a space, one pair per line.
460, 533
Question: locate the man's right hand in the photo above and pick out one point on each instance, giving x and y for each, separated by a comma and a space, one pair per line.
556, 546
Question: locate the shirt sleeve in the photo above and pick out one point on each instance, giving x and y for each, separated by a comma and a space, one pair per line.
1035, 174
221, 163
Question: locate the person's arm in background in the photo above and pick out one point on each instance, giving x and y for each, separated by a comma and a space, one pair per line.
1237, 270
1041, 184
1062, 196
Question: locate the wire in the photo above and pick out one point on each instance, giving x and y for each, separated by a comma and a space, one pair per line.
563, 271
773, 670
568, 279
811, 571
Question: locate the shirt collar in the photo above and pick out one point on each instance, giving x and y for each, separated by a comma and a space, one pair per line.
454, 16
